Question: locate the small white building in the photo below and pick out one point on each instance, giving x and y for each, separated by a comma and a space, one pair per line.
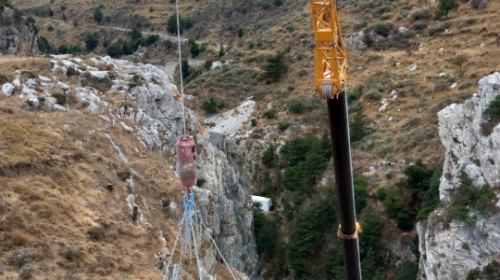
266, 203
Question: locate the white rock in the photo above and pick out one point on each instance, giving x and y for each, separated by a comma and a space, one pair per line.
442, 74
31, 83
389, 119
229, 122
17, 83
99, 74
393, 92
8, 89
68, 64
105, 118
441, 49
58, 107
454, 85
384, 103
65, 88
44, 79
413, 68
127, 128
421, 47
402, 29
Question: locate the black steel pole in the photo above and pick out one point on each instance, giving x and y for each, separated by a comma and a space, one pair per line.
339, 134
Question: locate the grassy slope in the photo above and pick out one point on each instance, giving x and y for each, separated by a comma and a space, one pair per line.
54, 193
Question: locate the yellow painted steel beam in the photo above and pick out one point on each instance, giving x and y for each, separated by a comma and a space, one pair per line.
330, 55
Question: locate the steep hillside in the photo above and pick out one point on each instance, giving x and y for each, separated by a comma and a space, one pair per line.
405, 66
75, 163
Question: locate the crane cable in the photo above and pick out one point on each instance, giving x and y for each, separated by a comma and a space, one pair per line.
180, 65
190, 228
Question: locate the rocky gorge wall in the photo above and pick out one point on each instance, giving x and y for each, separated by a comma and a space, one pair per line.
147, 96
450, 248
16, 37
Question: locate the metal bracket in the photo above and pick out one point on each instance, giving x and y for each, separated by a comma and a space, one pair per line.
354, 235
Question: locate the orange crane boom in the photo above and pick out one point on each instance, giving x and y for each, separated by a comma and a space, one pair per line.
330, 54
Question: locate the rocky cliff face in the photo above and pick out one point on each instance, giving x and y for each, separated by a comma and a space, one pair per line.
450, 248
148, 97
16, 36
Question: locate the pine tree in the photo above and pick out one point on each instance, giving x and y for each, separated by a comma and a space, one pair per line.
360, 125
194, 49
98, 15
275, 67
269, 157
445, 6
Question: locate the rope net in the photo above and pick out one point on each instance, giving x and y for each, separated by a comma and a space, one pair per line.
190, 237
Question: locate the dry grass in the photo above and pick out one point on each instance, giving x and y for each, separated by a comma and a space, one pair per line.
53, 195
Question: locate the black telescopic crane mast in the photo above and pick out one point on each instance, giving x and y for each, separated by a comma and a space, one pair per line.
348, 229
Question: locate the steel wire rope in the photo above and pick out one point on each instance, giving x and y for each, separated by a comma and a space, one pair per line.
180, 66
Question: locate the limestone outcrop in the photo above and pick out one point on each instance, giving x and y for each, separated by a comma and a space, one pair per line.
149, 105
17, 36
450, 248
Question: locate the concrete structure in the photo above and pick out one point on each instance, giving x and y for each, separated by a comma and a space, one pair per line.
266, 203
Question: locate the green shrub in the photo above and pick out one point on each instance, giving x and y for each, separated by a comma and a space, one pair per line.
419, 25
266, 5
200, 182
493, 110
98, 15
71, 71
373, 93
50, 28
91, 40
71, 253
278, 3
382, 29
461, 213
269, 157
115, 49
244, 9
210, 107
283, 126
407, 270
467, 194
308, 229
60, 98
359, 125
355, 94
360, 192
275, 67
422, 14
18, 15
253, 122
168, 44
297, 106
418, 175
270, 114
20, 257
381, 194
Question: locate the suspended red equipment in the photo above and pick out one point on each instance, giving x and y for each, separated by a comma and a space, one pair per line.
186, 155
